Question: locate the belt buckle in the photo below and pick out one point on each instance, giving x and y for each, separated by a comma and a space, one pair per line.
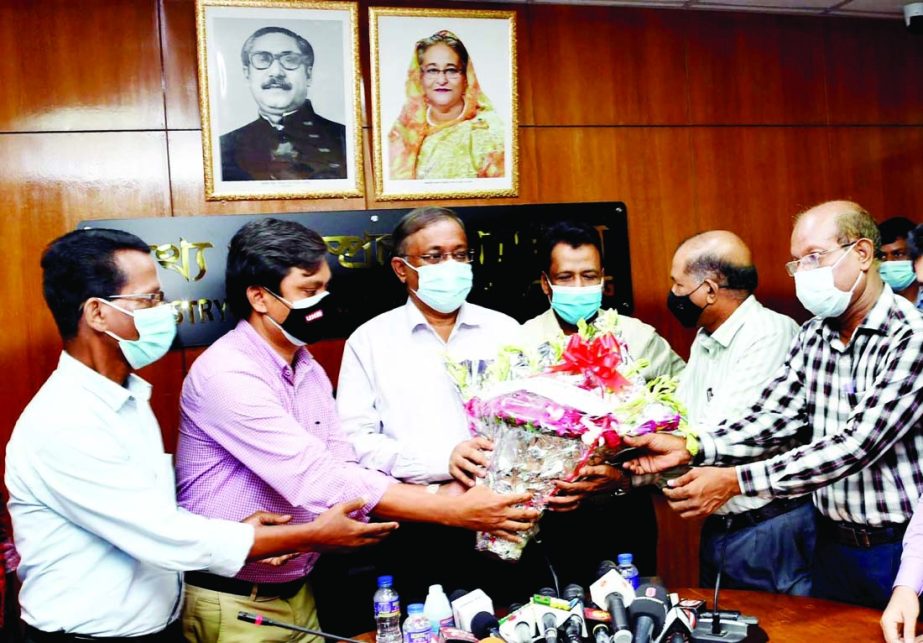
860, 537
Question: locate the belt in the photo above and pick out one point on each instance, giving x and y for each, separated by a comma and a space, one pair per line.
738, 521
244, 587
172, 634
860, 536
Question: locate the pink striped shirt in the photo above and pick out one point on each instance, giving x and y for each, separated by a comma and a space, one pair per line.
256, 433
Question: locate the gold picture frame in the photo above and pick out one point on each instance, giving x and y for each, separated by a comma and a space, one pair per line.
291, 129
437, 137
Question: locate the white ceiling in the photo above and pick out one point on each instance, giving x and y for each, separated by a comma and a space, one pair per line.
865, 8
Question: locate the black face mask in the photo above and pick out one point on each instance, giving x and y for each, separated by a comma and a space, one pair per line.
684, 309
308, 324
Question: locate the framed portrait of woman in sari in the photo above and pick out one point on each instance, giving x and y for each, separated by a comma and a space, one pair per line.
444, 95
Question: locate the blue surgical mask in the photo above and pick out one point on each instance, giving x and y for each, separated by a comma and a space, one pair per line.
443, 286
898, 274
156, 330
573, 303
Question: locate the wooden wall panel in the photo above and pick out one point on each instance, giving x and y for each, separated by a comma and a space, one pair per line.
874, 69
753, 180
748, 68
89, 65
606, 66
879, 167
49, 183
180, 79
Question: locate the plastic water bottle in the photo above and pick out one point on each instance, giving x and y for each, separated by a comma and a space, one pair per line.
437, 608
417, 628
627, 569
387, 612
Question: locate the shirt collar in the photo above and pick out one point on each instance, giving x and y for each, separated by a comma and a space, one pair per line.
876, 321
266, 354
467, 316
111, 393
725, 333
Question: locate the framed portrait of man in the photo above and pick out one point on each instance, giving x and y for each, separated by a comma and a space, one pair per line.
445, 105
279, 88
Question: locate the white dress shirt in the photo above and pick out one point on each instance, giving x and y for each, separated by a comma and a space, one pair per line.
395, 398
728, 369
642, 339
94, 511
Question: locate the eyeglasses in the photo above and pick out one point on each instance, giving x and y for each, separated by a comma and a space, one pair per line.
812, 261
450, 73
288, 59
432, 258
152, 298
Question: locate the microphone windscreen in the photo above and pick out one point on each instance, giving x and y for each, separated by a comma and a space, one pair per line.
605, 567
548, 591
484, 624
573, 591
457, 594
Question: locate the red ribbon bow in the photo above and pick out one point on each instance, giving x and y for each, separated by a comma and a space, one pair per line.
597, 360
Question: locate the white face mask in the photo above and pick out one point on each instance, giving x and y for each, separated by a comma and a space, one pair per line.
817, 291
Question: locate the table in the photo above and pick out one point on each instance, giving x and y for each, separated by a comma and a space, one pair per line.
796, 619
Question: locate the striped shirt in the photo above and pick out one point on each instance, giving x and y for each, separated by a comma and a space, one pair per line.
728, 369
854, 408
259, 433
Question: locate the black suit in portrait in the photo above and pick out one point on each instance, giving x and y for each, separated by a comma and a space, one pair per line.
307, 146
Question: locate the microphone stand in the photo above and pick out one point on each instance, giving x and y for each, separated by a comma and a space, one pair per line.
259, 619
723, 631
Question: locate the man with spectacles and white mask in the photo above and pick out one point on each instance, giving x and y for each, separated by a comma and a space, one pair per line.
395, 397
850, 394
289, 140
102, 541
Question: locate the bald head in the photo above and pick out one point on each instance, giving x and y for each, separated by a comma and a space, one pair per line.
719, 255
834, 222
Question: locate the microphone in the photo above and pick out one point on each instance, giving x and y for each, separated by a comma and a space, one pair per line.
259, 619
550, 626
485, 624
602, 633
613, 592
548, 591
574, 627
648, 612
678, 626
518, 626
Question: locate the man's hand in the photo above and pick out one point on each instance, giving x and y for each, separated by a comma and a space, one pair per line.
664, 452
336, 530
700, 491
899, 620
469, 460
480, 509
598, 478
267, 518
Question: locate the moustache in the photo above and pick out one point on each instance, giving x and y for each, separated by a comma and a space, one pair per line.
279, 83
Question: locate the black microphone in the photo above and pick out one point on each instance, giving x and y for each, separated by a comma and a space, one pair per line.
549, 625
648, 612
615, 605
551, 592
573, 626
259, 619
485, 624
457, 594
602, 633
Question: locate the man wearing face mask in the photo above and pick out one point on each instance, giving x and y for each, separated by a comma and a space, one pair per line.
850, 394
102, 541
396, 400
259, 427
896, 268
759, 543
572, 280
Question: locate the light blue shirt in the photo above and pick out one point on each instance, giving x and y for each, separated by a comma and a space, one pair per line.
395, 398
95, 519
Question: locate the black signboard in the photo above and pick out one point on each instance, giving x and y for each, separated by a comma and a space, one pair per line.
192, 252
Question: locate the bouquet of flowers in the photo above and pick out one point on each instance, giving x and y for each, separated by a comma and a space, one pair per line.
550, 409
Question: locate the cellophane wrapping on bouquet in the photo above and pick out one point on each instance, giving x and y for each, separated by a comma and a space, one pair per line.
552, 408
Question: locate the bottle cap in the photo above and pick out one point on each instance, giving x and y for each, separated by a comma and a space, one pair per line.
415, 608
625, 559
385, 581
436, 589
